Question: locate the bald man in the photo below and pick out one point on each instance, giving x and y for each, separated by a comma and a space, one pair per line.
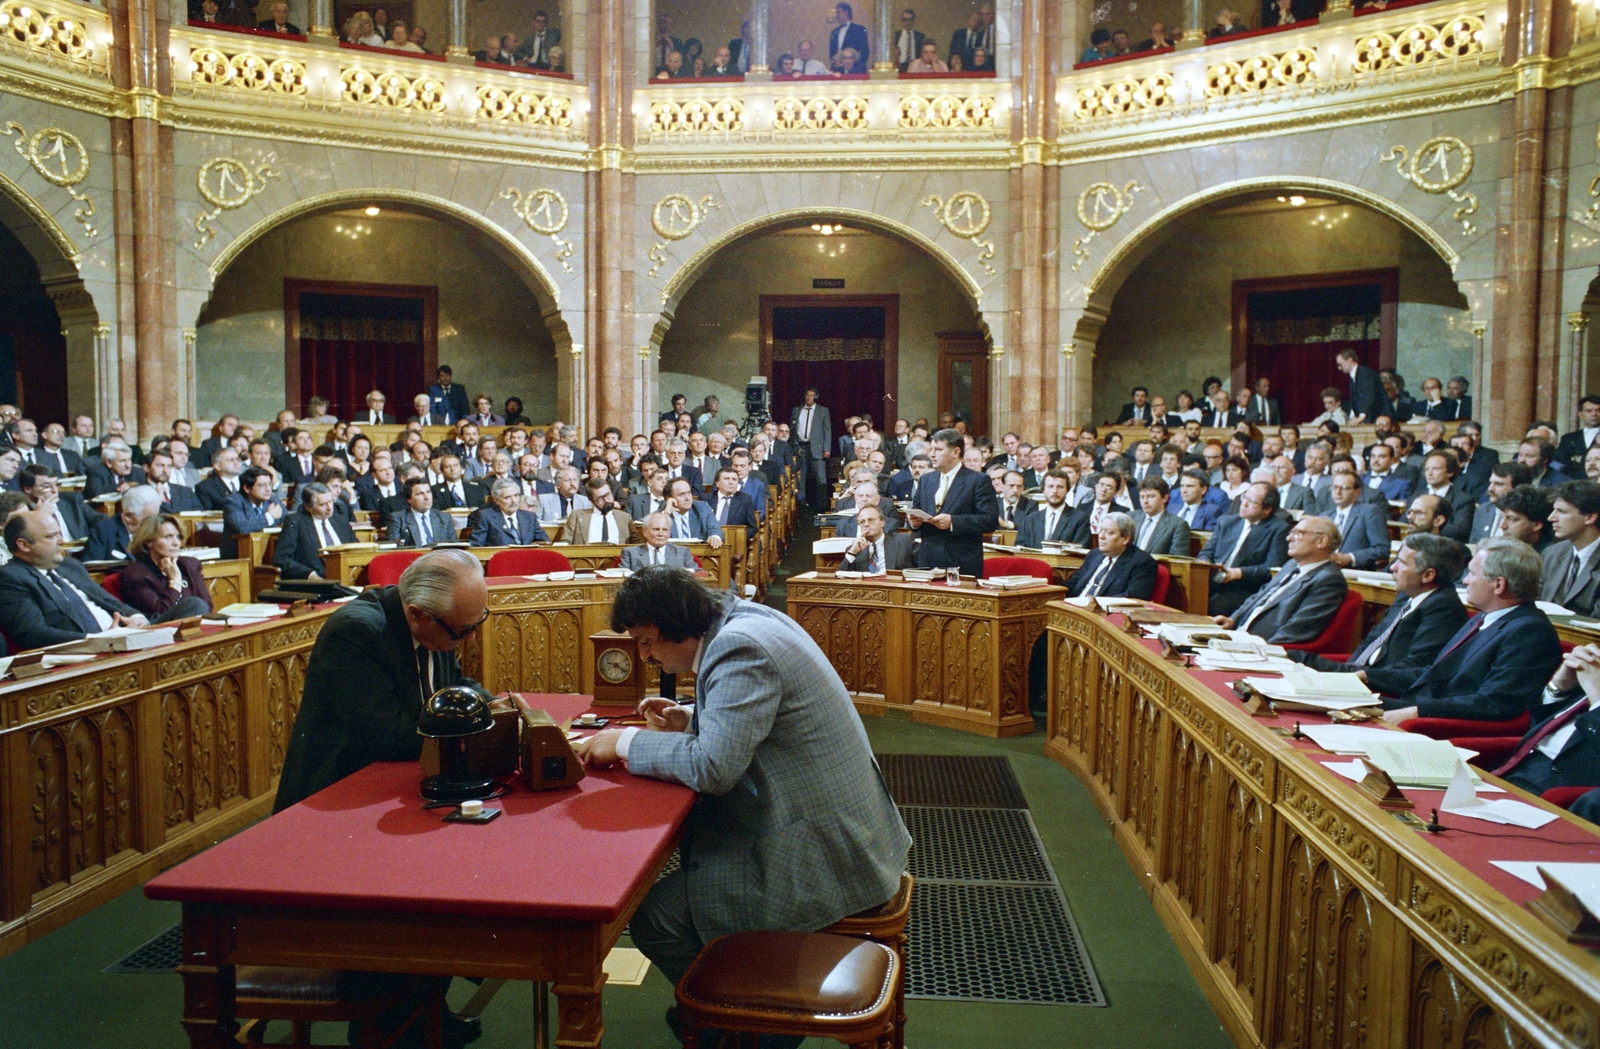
1302, 599
657, 548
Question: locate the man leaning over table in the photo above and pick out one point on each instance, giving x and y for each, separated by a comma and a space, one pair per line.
794, 827
1494, 668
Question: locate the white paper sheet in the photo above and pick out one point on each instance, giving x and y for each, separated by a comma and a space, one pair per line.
1570, 874
1461, 799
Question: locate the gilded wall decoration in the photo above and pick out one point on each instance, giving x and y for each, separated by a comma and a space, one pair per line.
57, 35
226, 184
1440, 165
946, 112
820, 114
1590, 216
247, 71
1101, 205
61, 159
545, 212
695, 116
965, 215
674, 217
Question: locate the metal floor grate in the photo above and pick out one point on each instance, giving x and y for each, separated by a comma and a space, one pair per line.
987, 845
962, 782
997, 943
159, 954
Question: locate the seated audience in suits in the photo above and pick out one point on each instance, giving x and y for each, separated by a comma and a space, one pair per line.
109, 535
1116, 567
754, 486
1562, 746
1429, 514
502, 522
904, 482
601, 521
419, 524
379, 484
657, 548
1014, 506
1190, 504
876, 551
253, 507
54, 453
865, 493
1154, 530
47, 598
1363, 527
1439, 469
157, 579
1247, 547
1426, 613
690, 518
1569, 577
39, 484
730, 506
1383, 477
175, 498
279, 22
651, 498
1054, 521
1486, 515
223, 481
306, 533
1495, 666
453, 491
296, 464
1291, 496
559, 504
1300, 601
1138, 410
114, 472
1525, 516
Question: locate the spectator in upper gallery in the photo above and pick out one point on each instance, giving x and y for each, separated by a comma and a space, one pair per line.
1455, 392
1136, 410
723, 65
1262, 408
1569, 577
929, 62
805, 63
697, 67
449, 399
741, 51
956, 66
491, 53
908, 44
1099, 45
1158, 40
1573, 446
380, 22
692, 49
513, 413
400, 39
359, 29
1538, 455
419, 36
1287, 12
982, 61
785, 67
535, 50
665, 43
1218, 412
279, 22
1433, 404
422, 407
848, 62
847, 34
557, 60
1119, 42
208, 12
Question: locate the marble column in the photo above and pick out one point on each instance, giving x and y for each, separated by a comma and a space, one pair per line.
1026, 374
760, 27
322, 20
883, 47
609, 396
1194, 33
457, 48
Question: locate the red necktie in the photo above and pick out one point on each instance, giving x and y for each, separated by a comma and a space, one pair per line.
1470, 633
1543, 732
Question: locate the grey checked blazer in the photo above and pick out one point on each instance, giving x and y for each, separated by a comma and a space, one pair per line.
794, 828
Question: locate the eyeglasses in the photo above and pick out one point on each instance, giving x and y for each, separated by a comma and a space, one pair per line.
460, 635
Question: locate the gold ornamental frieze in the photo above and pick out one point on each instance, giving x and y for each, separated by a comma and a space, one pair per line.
966, 215
61, 159
1101, 205
674, 217
226, 184
545, 212
1440, 165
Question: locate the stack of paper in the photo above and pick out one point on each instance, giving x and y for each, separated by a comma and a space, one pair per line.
1213, 659
837, 545
1417, 761
251, 611
1373, 578
1461, 799
1019, 582
1196, 635
1348, 739
201, 553
1550, 608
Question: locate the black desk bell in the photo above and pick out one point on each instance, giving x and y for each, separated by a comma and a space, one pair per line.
452, 715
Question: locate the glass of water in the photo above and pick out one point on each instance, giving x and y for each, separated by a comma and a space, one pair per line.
952, 576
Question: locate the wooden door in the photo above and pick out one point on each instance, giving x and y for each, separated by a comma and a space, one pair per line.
964, 378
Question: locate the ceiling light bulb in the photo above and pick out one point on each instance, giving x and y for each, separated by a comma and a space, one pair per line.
1296, 201
372, 212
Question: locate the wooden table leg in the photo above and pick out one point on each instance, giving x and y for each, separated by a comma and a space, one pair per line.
208, 986
578, 1011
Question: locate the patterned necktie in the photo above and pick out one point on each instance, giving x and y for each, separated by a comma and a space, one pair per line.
75, 606
427, 531
605, 527
511, 527
1368, 654
1543, 732
1099, 579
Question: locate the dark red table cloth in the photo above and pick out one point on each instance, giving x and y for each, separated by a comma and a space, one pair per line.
366, 843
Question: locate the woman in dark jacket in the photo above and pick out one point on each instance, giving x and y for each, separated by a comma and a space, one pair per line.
158, 578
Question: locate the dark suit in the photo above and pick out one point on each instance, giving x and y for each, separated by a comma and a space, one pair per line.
900, 485
445, 498
1132, 574
971, 503
403, 528
1265, 548
1171, 535
688, 473
1072, 526
701, 524
1576, 765
63, 461
289, 467
854, 36
1492, 675
297, 553
180, 500
1583, 592
1366, 395
1395, 487
1296, 606
242, 514
76, 515
1462, 507
1134, 413
638, 555
108, 539
1365, 535
272, 27
452, 401
963, 42
213, 493
1263, 411
102, 481
896, 554
891, 522
917, 40
33, 613
362, 694
1205, 513
489, 528
146, 589
1571, 451
741, 510
1415, 643
643, 505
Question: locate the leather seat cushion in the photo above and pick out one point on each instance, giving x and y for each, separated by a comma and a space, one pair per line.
286, 982
815, 974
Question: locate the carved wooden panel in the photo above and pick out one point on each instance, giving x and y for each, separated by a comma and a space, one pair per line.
1070, 679
1107, 721
83, 803
1243, 892
537, 651
1017, 638
1143, 793
286, 678
854, 640
80, 692
225, 591
953, 660
1445, 1013
1325, 954
202, 747
1187, 863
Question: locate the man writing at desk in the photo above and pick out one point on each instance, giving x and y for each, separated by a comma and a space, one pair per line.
952, 510
794, 828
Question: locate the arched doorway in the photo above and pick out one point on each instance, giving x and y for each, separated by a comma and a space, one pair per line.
489, 315
1273, 281
814, 300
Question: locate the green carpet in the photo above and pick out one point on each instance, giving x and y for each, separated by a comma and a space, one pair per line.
55, 994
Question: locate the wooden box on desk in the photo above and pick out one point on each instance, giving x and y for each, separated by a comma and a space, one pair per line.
493, 753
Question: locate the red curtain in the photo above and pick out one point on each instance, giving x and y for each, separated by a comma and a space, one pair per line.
1300, 372
346, 370
845, 387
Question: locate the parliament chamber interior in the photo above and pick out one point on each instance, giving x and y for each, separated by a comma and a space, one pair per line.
945, 524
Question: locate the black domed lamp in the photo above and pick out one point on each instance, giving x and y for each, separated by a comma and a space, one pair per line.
451, 716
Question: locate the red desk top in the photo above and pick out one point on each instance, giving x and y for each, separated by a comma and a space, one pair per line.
366, 843
1470, 842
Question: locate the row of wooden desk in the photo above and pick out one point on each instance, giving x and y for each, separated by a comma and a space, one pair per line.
1310, 916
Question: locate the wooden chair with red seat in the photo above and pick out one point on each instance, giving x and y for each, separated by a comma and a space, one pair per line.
527, 562
810, 984
112, 584
305, 996
886, 924
1493, 751
1565, 796
1163, 584
993, 566
387, 568
1338, 634
1457, 728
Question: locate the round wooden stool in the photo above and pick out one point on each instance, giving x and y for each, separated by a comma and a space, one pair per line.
808, 984
886, 924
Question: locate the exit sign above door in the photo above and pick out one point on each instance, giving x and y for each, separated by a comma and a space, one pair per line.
827, 282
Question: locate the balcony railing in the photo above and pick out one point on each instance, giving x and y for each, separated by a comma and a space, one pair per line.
972, 109
1414, 46
368, 84
62, 34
